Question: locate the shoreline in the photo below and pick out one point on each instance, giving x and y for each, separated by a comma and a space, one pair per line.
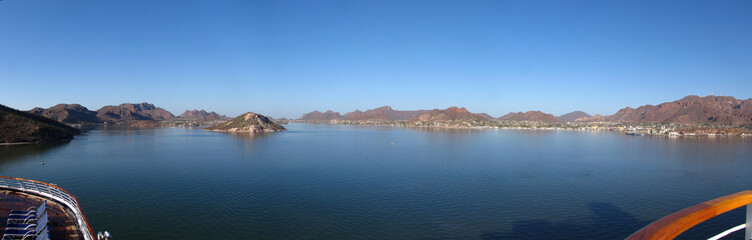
612, 128
37, 142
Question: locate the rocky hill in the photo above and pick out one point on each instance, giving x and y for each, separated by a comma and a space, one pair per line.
533, 116
385, 113
571, 117
486, 116
596, 118
17, 126
319, 116
721, 110
201, 116
68, 114
133, 112
248, 122
449, 114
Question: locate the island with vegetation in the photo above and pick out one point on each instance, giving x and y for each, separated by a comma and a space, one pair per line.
248, 122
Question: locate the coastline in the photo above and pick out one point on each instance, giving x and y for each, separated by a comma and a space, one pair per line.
635, 129
37, 142
243, 131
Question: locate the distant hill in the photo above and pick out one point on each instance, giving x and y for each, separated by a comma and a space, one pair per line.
691, 110
570, 117
131, 112
596, 118
68, 114
486, 116
449, 114
17, 126
533, 116
201, 116
280, 120
248, 122
319, 116
385, 113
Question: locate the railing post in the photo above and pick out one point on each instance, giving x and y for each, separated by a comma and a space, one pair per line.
748, 229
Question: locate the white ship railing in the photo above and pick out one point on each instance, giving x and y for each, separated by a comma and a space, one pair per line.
52, 192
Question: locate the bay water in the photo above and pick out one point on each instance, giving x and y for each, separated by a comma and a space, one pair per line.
370, 182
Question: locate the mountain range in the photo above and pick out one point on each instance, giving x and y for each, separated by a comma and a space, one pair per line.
202, 116
126, 112
319, 116
534, 116
385, 113
449, 114
717, 110
571, 117
131, 111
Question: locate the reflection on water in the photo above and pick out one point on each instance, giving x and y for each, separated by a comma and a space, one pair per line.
11, 153
602, 216
370, 182
245, 135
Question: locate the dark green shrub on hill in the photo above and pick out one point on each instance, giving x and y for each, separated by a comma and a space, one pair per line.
17, 126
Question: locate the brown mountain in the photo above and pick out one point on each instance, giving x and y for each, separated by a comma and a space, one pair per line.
486, 116
385, 113
17, 126
201, 116
691, 110
449, 114
319, 116
596, 118
248, 122
37, 111
570, 117
534, 116
130, 111
69, 114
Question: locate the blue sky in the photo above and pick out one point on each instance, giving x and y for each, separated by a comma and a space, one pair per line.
285, 58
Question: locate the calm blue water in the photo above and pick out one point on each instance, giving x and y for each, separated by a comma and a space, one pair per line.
348, 182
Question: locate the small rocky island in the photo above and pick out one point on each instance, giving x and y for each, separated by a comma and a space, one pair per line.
22, 127
248, 122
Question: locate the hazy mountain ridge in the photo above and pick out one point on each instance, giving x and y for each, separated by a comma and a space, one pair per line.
486, 116
18, 126
131, 111
449, 114
533, 116
385, 113
319, 116
572, 116
595, 118
201, 116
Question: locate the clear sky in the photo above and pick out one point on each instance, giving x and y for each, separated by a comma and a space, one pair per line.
285, 58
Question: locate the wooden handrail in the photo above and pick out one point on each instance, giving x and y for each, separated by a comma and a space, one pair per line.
672, 225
